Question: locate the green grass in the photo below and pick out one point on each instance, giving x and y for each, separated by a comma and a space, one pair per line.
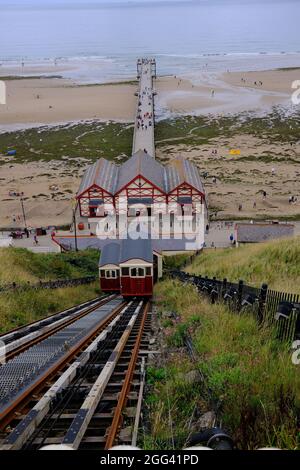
90, 140
126, 82
7, 78
276, 263
176, 261
20, 265
93, 140
248, 376
26, 306
197, 130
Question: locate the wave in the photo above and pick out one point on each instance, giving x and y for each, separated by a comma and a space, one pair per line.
229, 54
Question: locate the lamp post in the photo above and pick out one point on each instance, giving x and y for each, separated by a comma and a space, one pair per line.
75, 229
23, 212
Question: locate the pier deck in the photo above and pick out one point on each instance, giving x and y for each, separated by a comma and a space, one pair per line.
143, 138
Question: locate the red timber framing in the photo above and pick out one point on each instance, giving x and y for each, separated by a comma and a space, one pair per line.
186, 190
90, 199
140, 188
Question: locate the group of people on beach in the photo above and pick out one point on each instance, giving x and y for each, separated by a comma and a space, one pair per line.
256, 83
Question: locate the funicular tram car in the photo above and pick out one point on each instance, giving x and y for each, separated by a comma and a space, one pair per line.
136, 268
130, 267
109, 271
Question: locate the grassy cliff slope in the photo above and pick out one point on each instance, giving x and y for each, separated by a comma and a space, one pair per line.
247, 376
277, 263
21, 266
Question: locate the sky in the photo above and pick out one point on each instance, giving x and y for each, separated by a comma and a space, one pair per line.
40, 2
90, 3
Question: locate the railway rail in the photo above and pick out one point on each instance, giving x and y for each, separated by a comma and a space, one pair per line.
18, 339
80, 386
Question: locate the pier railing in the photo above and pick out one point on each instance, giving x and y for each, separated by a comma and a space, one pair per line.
272, 308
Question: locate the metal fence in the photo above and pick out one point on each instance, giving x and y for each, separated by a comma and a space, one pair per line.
272, 308
48, 284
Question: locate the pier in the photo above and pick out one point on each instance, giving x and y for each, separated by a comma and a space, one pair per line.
143, 138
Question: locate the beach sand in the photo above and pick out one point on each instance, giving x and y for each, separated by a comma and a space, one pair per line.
50, 187
241, 179
53, 100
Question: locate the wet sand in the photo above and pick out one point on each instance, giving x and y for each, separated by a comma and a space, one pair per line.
52, 100
50, 187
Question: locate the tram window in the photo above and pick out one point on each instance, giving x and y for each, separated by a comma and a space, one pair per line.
108, 274
148, 271
113, 273
125, 271
102, 273
133, 272
137, 272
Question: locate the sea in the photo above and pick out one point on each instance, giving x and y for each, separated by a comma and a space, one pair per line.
100, 40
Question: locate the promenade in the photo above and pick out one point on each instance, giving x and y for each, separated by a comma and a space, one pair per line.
143, 138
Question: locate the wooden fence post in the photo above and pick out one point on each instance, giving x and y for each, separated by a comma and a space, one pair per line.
262, 303
240, 295
224, 287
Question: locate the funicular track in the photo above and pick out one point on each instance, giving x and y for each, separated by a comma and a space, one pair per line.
21, 338
93, 395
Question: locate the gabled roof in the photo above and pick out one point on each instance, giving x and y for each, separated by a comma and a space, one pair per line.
136, 249
112, 178
110, 254
180, 171
103, 174
141, 164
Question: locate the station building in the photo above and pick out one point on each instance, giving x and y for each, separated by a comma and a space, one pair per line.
140, 180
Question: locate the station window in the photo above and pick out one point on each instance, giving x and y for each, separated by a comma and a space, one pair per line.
125, 271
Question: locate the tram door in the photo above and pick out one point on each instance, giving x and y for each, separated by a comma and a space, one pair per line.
155, 268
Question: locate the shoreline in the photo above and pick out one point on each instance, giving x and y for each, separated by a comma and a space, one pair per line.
33, 102
67, 120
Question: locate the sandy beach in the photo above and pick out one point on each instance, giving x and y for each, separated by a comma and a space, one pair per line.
235, 180
50, 186
35, 101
